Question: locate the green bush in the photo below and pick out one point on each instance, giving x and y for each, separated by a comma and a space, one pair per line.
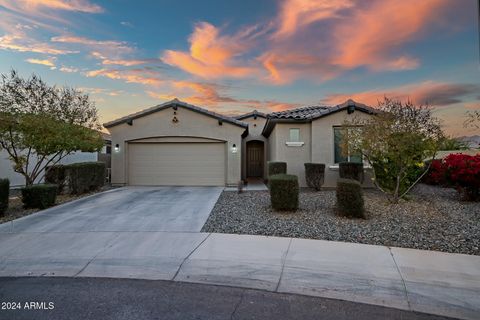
350, 198
284, 191
351, 170
4, 193
85, 176
56, 175
315, 175
276, 167
39, 196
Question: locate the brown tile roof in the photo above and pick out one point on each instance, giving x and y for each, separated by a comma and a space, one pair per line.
308, 114
314, 112
251, 114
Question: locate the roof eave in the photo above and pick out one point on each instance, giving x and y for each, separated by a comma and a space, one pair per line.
271, 122
172, 104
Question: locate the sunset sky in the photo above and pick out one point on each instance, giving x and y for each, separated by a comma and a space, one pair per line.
235, 56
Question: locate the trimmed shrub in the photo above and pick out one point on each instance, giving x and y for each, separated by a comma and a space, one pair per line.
350, 198
85, 176
39, 196
276, 167
4, 193
351, 170
284, 191
56, 175
315, 175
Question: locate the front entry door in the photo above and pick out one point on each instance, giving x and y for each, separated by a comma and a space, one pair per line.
255, 159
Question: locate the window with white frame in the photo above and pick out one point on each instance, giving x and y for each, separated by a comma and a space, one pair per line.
339, 154
294, 135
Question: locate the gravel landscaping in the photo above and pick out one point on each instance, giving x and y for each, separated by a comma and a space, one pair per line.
432, 219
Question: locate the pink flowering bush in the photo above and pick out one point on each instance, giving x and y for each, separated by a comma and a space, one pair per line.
463, 173
437, 173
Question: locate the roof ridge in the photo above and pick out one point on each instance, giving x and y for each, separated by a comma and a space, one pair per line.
174, 101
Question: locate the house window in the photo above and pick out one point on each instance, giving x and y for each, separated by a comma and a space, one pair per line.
340, 156
294, 135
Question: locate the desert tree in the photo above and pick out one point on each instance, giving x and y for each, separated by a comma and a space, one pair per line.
41, 124
395, 142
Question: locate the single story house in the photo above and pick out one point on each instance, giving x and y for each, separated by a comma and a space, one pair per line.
176, 143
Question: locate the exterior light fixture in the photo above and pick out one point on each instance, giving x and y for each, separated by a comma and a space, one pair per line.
117, 148
350, 107
234, 148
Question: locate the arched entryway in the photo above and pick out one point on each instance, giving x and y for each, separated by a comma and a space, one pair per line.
255, 158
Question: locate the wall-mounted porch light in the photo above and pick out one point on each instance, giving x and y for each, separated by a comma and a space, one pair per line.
234, 148
117, 148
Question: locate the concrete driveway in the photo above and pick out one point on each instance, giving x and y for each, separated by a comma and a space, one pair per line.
180, 209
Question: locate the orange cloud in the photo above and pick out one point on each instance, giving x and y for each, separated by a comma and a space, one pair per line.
195, 93
428, 92
68, 69
45, 62
212, 55
284, 67
372, 35
297, 14
35, 5
21, 43
209, 94
315, 39
472, 105
122, 62
101, 91
103, 47
141, 76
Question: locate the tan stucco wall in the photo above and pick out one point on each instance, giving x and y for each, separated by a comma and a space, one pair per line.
17, 180
318, 147
255, 128
295, 157
323, 144
190, 124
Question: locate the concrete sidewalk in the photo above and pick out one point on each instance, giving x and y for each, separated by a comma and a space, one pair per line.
423, 281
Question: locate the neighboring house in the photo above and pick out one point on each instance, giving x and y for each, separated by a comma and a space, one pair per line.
176, 143
443, 154
18, 180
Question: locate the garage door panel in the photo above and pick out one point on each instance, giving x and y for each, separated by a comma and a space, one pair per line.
193, 164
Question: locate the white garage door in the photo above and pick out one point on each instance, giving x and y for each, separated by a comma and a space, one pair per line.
176, 164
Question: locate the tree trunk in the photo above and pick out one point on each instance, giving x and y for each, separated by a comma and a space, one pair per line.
28, 181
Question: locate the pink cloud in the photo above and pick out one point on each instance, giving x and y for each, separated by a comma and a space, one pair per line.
213, 55
428, 92
46, 62
212, 95
122, 62
22, 43
68, 69
372, 35
111, 48
295, 15
23, 6
284, 67
141, 76
314, 39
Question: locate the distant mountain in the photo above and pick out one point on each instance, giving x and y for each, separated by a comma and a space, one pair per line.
473, 141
